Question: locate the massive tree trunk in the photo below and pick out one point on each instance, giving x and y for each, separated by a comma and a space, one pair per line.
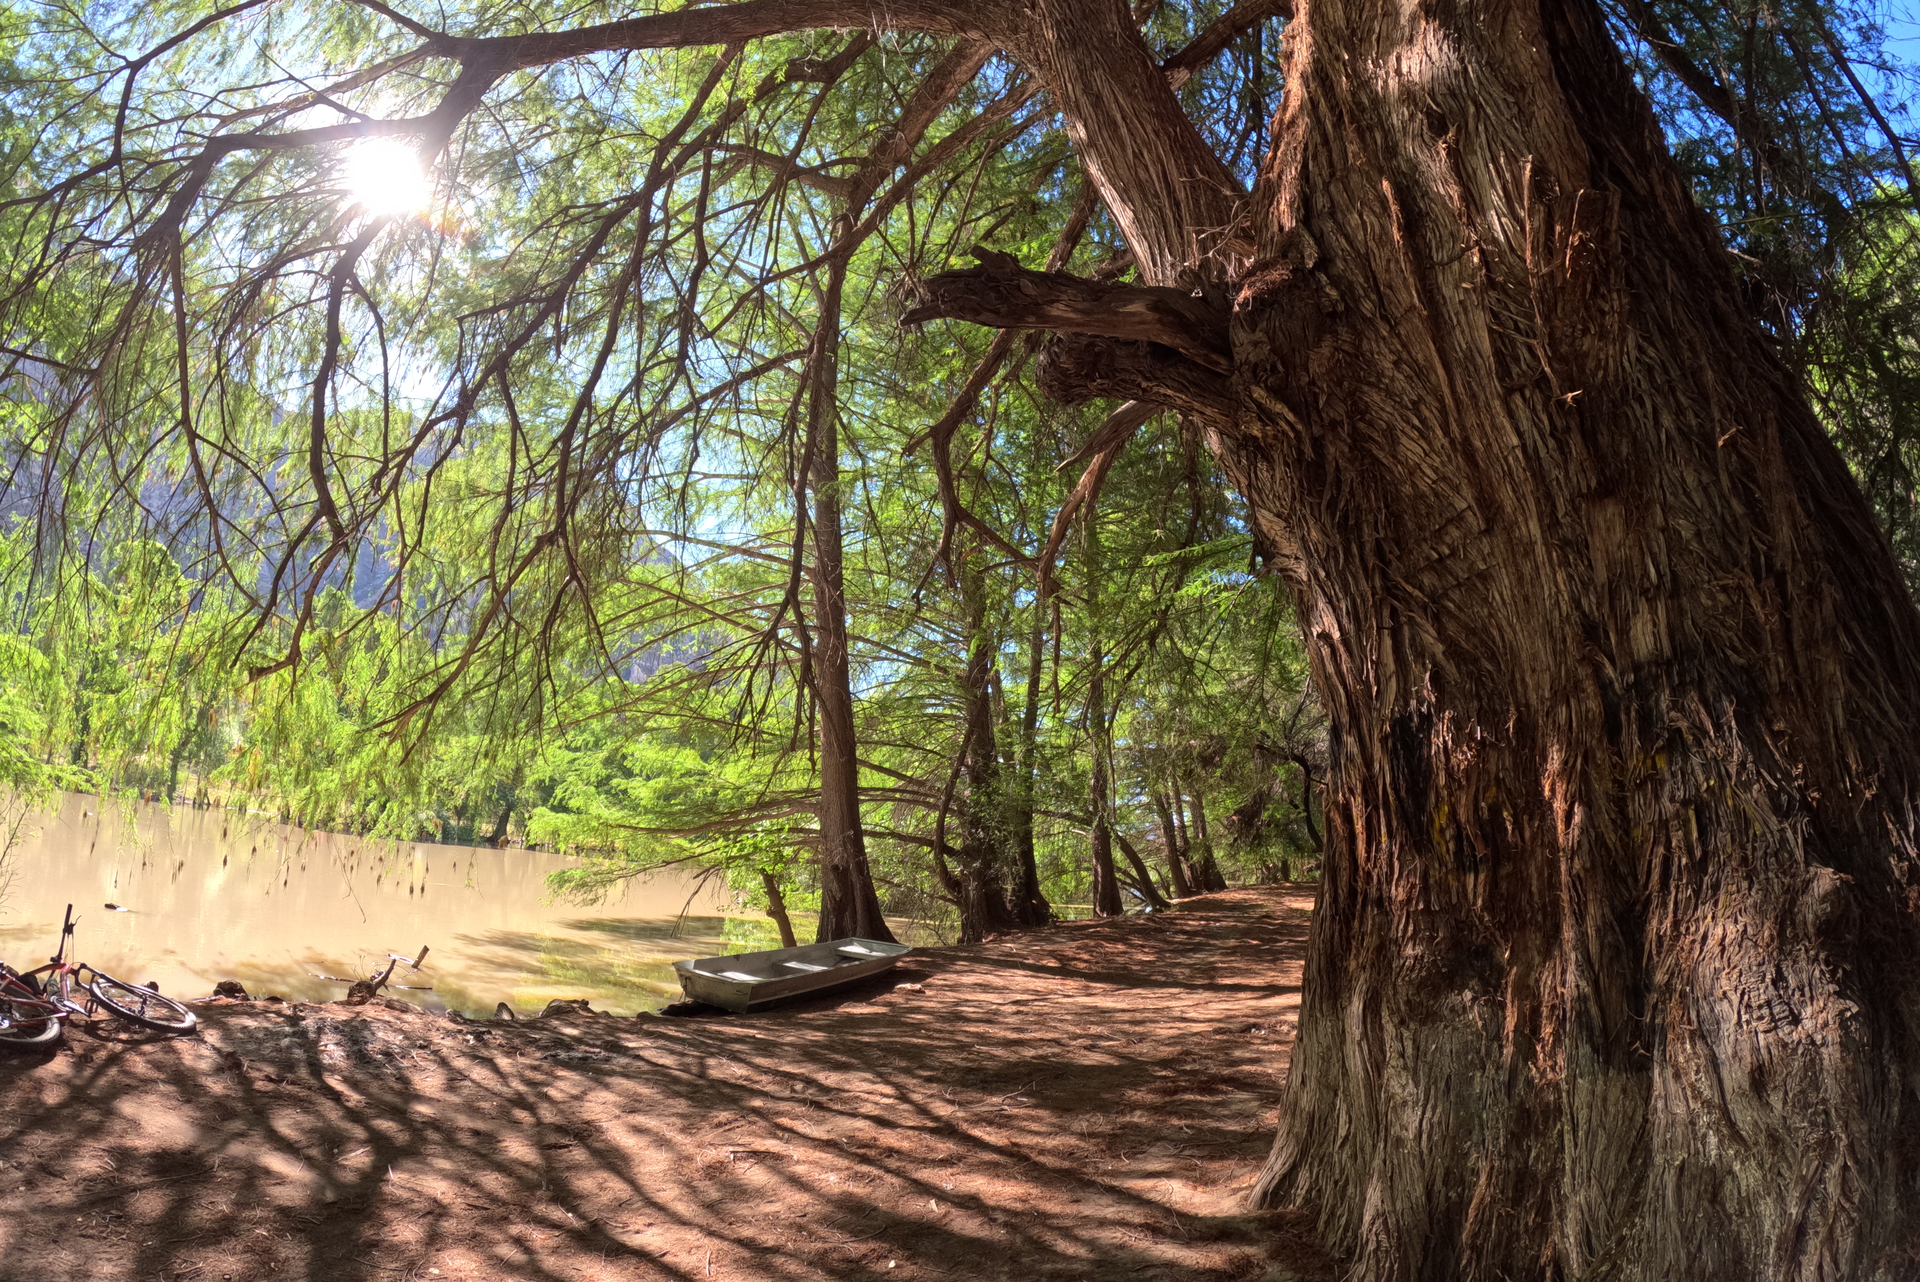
1611, 974
1611, 971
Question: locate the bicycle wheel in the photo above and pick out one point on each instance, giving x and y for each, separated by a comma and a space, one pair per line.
142, 1006
27, 1023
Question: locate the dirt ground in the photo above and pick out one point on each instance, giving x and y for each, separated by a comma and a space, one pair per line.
1090, 1101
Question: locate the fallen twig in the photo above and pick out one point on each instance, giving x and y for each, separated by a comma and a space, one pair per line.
145, 1184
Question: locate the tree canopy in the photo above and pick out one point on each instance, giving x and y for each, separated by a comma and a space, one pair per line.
501, 500
410, 417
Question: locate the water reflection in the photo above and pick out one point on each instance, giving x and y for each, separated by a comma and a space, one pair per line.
214, 895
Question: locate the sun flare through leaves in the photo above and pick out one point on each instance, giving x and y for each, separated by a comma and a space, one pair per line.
384, 177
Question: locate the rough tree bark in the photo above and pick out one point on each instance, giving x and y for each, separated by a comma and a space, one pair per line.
1620, 826
1609, 976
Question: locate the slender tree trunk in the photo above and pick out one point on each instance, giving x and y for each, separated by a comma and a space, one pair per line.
984, 859
848, 905
1206, 868
1106, 880
1142, 876
1196, 877
1106, 885
1306, 801
498, 836
777, 909
1170, 841
1030, 906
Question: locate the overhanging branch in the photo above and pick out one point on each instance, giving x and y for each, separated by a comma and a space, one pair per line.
720, 25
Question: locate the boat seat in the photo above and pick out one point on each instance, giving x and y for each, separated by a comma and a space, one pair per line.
741, 977
808, 966
854, 950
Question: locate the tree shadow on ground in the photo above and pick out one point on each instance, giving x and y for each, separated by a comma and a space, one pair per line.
984, 1121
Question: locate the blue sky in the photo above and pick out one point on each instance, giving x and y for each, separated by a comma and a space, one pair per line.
1903, 30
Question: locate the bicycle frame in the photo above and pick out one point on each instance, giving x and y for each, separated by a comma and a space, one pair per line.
15, 985
59, 977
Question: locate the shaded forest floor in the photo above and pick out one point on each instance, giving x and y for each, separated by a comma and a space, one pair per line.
1090, 1101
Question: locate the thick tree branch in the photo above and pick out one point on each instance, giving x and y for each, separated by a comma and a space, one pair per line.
1223, 31
1172, 196
1005, 295
785, 169
1074, 368
719, 25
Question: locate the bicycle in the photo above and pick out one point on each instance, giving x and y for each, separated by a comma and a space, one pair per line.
59, 978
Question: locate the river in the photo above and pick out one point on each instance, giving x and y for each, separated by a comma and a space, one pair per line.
221, 894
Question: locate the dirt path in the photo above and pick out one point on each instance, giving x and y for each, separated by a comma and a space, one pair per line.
1088, 1102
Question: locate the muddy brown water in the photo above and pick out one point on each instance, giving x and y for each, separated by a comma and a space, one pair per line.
223, 894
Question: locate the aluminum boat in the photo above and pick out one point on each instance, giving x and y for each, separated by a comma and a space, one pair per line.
753, 981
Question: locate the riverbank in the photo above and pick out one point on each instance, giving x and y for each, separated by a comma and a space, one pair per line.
1090, 1101
204, 896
